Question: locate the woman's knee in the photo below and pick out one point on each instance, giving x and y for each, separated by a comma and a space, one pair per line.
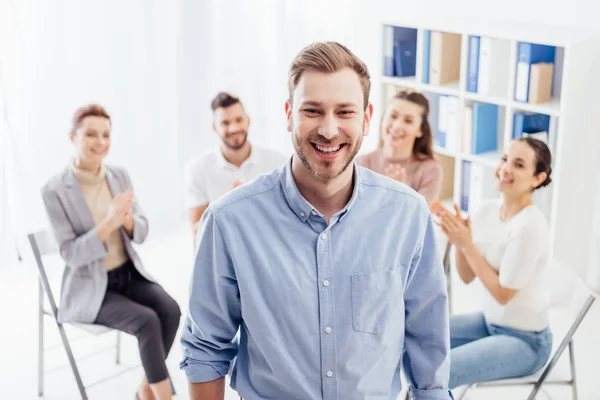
148, 323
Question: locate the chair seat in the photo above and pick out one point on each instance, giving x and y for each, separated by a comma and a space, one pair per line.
561, 373
91, 328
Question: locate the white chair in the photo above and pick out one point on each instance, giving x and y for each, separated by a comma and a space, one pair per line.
569, 300
43, 244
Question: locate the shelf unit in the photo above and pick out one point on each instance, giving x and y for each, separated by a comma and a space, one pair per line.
574, 122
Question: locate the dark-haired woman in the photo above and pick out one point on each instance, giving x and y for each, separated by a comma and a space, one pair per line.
505, 244
405, 150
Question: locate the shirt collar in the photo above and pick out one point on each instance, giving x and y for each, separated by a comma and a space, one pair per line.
253, 158
301, 207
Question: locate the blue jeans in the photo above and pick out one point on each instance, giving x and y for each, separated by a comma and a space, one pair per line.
486, 352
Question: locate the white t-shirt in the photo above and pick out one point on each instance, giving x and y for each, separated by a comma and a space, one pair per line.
209, 176
519, 250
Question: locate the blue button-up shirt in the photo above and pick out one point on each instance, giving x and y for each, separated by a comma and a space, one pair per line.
324, 311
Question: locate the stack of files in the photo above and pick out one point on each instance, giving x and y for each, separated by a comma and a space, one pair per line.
399, 48
444, 58
477, 184
535, 66
532, 125
487, 71
480, 128
447, 134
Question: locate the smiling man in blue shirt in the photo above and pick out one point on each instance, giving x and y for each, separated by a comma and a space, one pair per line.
328, 270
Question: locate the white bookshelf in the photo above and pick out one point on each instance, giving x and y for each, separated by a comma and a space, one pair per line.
574, 111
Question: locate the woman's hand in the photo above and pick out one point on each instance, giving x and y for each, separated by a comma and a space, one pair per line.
119, 210
457, 229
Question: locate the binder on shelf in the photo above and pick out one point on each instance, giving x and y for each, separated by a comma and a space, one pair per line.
444, 58
442, 122
540, 83
465, 185
388, 50
426, 52
531, 124
530, 53
448, 123
467, 136
405, 58
485, 128
493, 66
482, 185
473, 64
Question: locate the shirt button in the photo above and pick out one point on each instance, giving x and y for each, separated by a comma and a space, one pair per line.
326, 283
302, 214
328, 330
324, 236
313, 212
329, 374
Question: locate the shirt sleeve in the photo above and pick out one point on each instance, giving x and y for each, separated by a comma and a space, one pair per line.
520, 257
426, 343
195, 191
431, 183
209, 340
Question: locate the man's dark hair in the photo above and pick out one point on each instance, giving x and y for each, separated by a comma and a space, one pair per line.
224, 100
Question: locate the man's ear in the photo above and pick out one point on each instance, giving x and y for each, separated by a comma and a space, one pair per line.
368, 116
288, 115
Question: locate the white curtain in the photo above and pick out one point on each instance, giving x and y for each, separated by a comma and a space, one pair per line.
155, 65
60, 55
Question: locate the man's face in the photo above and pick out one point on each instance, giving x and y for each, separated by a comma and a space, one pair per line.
327, 119
232, 124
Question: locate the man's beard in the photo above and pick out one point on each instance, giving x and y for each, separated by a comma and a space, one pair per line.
235, 146
352, 146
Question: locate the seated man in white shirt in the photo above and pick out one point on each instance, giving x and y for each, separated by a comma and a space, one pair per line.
214, 173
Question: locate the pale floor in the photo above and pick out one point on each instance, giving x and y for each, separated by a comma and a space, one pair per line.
170, 260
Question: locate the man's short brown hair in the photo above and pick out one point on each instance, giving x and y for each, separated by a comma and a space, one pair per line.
224, 100
328, 57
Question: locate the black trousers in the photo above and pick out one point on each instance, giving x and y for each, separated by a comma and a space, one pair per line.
141, 308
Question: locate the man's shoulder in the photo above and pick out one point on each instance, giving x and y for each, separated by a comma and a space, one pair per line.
202, 162
204, 158
257, 191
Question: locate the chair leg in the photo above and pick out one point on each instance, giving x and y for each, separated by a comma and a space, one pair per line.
40, 339
67, 347
118, 360
573, 376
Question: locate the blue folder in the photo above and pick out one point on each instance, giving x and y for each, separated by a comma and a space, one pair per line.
485, 128
530, 123
473, 66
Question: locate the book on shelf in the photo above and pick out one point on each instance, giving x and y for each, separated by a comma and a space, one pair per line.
447, 135
492, 76
473, 64
532, 125
485, 128
444, 58
540, 83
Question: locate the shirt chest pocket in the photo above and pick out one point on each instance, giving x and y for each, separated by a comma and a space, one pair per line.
376, 300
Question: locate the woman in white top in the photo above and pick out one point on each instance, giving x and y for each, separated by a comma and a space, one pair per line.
505, 244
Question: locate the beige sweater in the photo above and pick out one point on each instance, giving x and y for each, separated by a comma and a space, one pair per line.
98, 196
424, 176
